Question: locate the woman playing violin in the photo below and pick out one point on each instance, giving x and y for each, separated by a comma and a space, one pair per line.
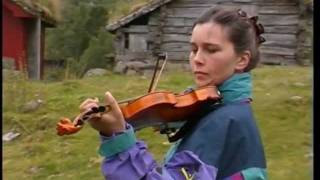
225, 143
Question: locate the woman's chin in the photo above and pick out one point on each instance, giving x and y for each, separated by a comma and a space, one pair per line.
202, 83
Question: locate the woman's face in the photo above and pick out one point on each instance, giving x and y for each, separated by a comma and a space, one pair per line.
212, 55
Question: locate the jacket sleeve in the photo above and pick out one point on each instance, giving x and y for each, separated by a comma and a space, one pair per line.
127, 158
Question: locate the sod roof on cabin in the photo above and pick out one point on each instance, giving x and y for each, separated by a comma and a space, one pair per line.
36, 9
138, 12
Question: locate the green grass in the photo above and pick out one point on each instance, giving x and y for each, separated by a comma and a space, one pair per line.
39, 153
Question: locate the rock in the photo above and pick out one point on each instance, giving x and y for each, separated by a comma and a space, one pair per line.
139, 65
143, 77
120, 68
309, 155
131, 72
148, 73
53, 176
299, 84
132, 67
136, 65
35, 169
95, 72
10, 136
296, 98
31, 106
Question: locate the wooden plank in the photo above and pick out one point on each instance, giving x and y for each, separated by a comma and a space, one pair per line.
261, 3
186, 12
250, 9
176, 38
195, 5
242, 1
178, 56
279, 10
279, 19
129, 56
137, 42
281, 40
277, 1
179, 30
292, 29
278, 50
176, 46
168, 22
266, 3
198, 1
173, 65
136, 29
201, 3
178, 22
274, 59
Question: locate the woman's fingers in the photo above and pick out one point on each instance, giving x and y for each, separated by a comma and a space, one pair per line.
106, 122
88, 101
114, 116
89, 106
111, 101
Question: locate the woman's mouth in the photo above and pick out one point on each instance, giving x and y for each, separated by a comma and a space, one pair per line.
200, 75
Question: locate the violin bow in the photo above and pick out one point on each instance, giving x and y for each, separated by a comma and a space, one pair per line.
155, 79
152, 87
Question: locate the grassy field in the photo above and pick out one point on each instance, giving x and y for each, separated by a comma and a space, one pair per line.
39, 154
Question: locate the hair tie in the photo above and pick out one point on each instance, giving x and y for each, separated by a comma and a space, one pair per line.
242, 13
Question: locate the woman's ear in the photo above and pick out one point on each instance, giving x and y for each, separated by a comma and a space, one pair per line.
243, 61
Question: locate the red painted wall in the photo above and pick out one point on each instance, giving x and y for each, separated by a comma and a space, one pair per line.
13, 37
15, 34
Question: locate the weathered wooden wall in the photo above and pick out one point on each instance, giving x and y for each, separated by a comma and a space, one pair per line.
280, 19
169, 28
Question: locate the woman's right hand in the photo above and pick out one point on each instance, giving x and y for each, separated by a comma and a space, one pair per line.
107, 122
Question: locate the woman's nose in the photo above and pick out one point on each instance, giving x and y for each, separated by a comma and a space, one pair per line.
198, 58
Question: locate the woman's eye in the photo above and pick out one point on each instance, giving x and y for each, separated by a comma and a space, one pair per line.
194, 50
212, 50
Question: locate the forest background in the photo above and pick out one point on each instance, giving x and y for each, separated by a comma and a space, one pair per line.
80, 38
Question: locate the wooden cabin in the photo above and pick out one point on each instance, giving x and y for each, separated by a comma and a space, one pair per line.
23, 35
166, 25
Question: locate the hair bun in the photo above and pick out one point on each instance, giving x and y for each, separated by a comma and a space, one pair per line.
259, 29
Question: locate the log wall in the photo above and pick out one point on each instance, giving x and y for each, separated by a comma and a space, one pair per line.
169, 27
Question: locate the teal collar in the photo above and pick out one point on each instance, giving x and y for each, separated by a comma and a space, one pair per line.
236, 88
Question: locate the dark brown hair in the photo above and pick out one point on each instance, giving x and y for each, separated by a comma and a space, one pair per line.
243, 32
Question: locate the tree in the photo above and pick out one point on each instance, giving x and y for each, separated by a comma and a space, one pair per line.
82, 27
94, 55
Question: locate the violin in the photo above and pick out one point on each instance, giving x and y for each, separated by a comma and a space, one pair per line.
151, 109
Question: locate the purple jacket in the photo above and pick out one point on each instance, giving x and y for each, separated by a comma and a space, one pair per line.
224, 145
